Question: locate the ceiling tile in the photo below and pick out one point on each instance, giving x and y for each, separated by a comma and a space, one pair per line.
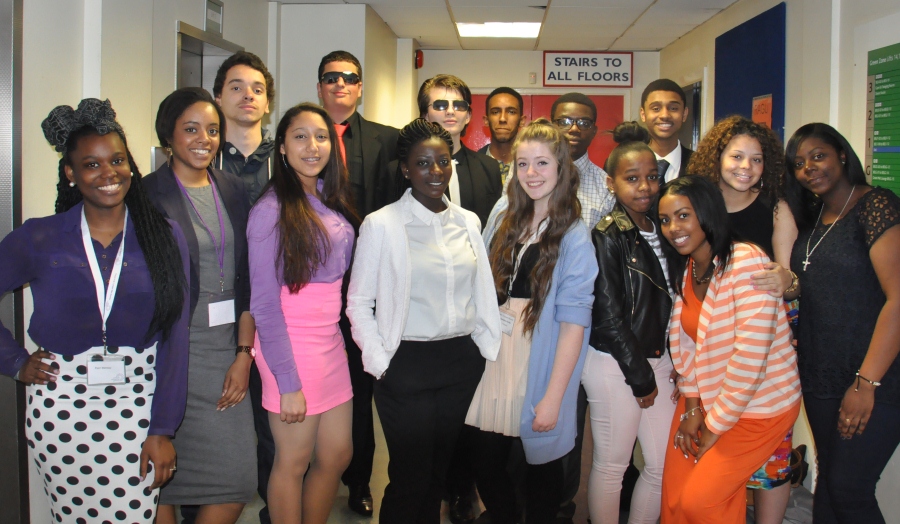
478, 15
642, 43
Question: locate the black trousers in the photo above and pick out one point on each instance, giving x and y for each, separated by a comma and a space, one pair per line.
360, 469
849, 469
422, 402
572, 461
543, 482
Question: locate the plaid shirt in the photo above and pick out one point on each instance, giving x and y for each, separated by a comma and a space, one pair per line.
596, 200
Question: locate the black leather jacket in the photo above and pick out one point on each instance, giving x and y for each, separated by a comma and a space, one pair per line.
631, 302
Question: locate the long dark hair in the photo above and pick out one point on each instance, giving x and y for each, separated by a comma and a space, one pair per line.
709, 206
154, 235
803, 203
303, 241
564, 210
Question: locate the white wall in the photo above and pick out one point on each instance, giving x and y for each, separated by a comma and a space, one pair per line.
306, 34
380, 70
485, 70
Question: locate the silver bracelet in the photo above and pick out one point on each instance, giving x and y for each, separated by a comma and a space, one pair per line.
688, 413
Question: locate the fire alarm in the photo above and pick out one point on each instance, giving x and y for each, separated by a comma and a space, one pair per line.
420, 58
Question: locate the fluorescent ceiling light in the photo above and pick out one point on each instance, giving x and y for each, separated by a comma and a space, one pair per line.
500, 30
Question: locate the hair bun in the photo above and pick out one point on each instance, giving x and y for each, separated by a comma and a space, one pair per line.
91, 112
630, 132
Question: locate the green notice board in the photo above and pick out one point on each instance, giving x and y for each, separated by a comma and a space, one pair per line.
883, 117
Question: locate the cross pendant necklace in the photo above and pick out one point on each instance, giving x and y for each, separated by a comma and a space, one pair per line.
809, 252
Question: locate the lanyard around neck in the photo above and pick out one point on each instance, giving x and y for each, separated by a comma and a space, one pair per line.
105, 298
220, 247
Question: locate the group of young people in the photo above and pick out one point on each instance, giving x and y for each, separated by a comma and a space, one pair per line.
483, 299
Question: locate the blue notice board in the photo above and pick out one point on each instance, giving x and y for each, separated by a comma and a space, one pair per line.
750, 62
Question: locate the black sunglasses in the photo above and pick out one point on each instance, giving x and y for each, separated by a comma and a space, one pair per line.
350, 78
567, 121
442, 105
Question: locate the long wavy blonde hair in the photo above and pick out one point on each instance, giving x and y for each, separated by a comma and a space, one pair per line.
515, 227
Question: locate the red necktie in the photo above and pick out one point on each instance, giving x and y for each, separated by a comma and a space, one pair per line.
341, 129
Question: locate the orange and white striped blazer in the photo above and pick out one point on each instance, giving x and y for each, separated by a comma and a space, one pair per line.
742, 364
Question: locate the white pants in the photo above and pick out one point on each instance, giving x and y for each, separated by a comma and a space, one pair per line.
616, 421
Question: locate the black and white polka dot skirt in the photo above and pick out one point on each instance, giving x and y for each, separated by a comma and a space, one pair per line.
86, 440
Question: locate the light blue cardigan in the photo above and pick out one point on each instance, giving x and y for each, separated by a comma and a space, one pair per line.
570, 299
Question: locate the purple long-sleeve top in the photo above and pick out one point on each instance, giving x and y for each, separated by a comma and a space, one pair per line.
266, 279
48, 253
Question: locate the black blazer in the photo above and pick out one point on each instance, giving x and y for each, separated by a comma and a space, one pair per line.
163, 191
480, 185
685, 158
368, 164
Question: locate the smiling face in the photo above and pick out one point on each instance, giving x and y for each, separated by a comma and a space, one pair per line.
307, 147
244, 100
635, 182
579, 139
818, 166
195, 139
538, 172
664, 113
100, 169
429, 170
680, 225
340, 97
503, 117
450, 119
741, 164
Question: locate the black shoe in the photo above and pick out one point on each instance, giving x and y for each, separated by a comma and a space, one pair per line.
462, 509
360, 500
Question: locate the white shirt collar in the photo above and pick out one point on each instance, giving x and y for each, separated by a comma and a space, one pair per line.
423, 213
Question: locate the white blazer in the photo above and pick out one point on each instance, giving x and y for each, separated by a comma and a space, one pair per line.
378, 298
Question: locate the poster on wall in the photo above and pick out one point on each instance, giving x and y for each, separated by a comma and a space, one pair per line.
762, 110
883, 117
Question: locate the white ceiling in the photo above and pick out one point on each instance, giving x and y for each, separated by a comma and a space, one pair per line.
618, 25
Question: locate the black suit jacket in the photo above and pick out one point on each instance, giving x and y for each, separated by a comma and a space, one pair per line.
368, 163
480, 185
685, 158
163, 191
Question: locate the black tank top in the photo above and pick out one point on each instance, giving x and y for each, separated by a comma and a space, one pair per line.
755, 223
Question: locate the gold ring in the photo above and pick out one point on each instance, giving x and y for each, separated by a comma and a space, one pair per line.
848, 420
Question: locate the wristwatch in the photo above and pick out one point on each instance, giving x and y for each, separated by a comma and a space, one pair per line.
250, 350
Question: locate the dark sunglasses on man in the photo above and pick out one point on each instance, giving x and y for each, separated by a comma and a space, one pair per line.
350, 78
442, 105
567, 121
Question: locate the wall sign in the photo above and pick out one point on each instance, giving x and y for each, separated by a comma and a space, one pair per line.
215, 10
587, 69
883, 117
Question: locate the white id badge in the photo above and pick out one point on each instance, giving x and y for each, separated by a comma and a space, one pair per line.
221, 308
103, 370
507, 322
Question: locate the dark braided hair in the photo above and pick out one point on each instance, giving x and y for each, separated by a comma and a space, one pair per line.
64, 128
414, 133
